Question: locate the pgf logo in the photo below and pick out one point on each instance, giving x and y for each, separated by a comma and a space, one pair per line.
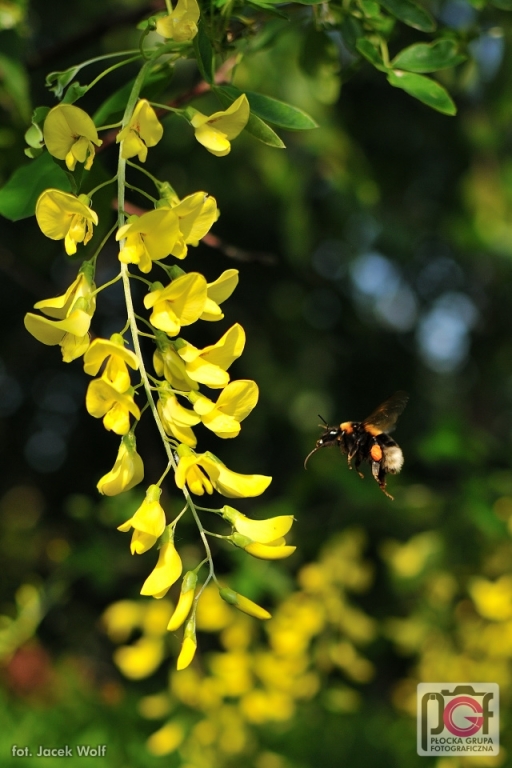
458, 718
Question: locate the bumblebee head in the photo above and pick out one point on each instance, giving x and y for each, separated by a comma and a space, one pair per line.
329, 437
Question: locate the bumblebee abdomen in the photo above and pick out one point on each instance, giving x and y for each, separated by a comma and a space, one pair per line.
392, 459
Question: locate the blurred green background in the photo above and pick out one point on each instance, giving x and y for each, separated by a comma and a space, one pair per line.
374, 255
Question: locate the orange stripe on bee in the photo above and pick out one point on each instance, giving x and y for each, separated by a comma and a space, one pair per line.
347, 427
372, 430
376, 452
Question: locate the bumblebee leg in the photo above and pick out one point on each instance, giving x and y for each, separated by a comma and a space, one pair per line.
358, 464
379, 474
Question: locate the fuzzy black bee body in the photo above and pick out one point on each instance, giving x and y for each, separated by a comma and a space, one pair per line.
369, 440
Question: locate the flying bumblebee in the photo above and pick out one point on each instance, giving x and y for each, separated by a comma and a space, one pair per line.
369, 440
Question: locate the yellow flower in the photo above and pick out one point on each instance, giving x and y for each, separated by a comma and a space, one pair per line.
143, 130
185, 601
140, 659
103, 401
177, 420
234, 404
166, 740
243, 604
216, 131
188, 649
62, 216
116, 371
127, 472
273, 550
217, 292
149, 237
218, 476
166, 571
180, 303
196, 214
148, 522
72, 312
209, 365
262, 531
181, 24
81, 288
69, 134
71, 333
169, 364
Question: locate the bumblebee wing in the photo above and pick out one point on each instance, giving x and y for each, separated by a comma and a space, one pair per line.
383, 418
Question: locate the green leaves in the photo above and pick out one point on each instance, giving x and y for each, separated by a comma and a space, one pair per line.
423, 88
429, 57
19, 196
204, 53
273, 111
410, 13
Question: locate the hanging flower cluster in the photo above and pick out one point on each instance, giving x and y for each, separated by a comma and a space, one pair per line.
186, 388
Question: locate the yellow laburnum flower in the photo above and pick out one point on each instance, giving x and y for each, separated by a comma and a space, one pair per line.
262, 531
148, 522
243, 604
209, 365
192, 468
143, 130
62, 216
71, 333
127, 472
273, 550
188, 649
167, 570
217, 292
73, 346
215, 132
70, 134
72, 314
233, 405
118, 358
169, 364
166, 740
180, 303
81, 288
177, 420
149, 237
181, 24
140, 659
185, 601
196, 214
103, 401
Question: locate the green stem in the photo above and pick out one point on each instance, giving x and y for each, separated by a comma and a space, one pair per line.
111, 69
106, 285
132, 321
101, 245
100, 186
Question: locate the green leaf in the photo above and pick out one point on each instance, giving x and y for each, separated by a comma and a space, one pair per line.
255, 126
19, 196
411, 14
370, 52
264, 133
425, 89
351, 31
204, 53
273, 111
74, 92
57, 81
369, 7
429, 57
